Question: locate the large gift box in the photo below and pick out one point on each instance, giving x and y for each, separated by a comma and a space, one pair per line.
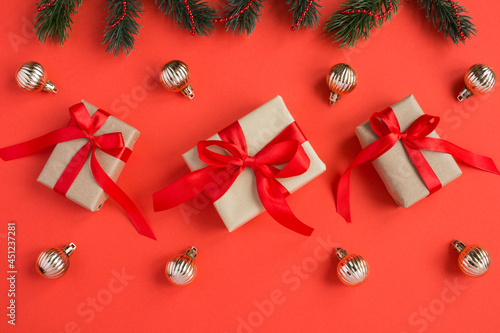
89, 155
270, 137
411, 159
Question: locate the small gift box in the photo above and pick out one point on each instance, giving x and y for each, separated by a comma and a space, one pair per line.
411, 159
88, 157
395, 167
84, 190
251, 166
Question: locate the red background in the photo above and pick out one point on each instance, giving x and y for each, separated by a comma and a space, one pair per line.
262, 277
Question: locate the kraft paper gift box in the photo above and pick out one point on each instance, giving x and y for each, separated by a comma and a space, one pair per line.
395, 167
84, 190
241, 202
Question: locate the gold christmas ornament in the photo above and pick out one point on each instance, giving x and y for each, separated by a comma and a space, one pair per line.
479, 80
473, 260
175, 77
181, 270
352, 269
54, 263
32, 77
341, 80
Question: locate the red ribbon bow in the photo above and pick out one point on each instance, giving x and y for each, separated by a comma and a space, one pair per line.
286, 148
84, 126
386, 125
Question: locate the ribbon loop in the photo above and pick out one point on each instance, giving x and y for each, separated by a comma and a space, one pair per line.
285, 149
414, 139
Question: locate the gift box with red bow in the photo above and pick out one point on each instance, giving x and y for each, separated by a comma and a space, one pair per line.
88, 157
410, 158
248, 167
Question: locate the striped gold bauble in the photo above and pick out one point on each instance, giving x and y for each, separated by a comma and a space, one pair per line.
175, 77
181, 270
341, 80
473, 260
478, 80
54, 262
32, 77
352, 269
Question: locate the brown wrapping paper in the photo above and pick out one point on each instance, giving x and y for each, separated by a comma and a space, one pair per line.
395, 167
84, 190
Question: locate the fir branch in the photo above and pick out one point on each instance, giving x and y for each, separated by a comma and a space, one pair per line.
351, 28
203, 15
243, 15
53, 20
121, 25
310, 19
444, 18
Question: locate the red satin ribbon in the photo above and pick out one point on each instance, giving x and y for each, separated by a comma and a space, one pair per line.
84, 126
386, 125
223, 170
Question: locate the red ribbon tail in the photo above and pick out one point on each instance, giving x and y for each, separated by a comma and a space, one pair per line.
370, 153
110, 187
35, 145
192, 184
343, 196
475, 160
271, 195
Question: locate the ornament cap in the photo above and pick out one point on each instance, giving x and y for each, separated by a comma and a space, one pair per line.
68, 249
50, 87
334, 97
458, 245
188, 92
192, 252
340, 252
464, 94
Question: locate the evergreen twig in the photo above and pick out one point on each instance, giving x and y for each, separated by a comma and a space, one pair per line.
120, 34
349, 29
311, 18
53, 20
203, 15
246, 20
441, 14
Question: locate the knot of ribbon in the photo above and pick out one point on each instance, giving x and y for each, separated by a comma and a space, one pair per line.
82, 125
225, 167
414, 138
